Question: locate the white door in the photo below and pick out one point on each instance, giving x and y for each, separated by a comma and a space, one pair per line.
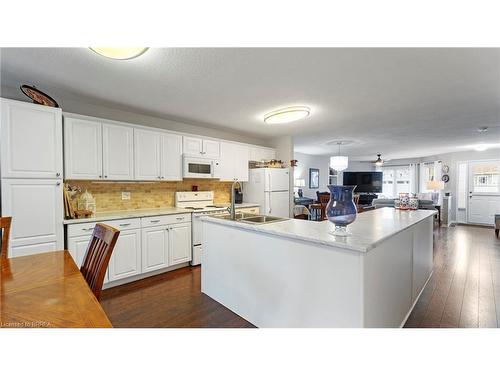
171, 160
192, 146
180, 243
36, 207
277, 204
31, 140
77, 247
154, 248
126, 258
147, 146
82, 149
484, 191
117, 152
211, 149
276, 179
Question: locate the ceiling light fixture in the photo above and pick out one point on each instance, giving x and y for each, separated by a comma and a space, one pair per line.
339, 163
481, 147
288, 114
119, 53
379, 162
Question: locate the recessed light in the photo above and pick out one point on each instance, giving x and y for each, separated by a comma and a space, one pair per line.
119, 53
288, 114
480, 147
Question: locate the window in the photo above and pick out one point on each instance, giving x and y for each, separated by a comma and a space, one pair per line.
485, 178
396, 180
426, 174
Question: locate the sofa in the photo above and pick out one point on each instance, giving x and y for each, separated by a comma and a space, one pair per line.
423, 204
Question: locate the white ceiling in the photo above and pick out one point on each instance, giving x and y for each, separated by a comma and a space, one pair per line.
399, 102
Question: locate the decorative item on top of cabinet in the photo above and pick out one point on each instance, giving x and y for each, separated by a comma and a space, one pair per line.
38, 97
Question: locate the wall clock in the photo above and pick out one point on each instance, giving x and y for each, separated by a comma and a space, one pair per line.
445, 178
445, 169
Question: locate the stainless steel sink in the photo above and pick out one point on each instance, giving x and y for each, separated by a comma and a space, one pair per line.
262, 219
252, 218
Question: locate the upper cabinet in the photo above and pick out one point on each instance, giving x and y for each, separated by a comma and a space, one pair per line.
233, 162
117, 152
199, 147
98, 151
256, 153
158, 156
31, 140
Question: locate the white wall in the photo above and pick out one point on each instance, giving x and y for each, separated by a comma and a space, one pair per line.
305, 162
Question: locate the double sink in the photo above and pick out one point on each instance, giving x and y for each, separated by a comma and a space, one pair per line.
252, 218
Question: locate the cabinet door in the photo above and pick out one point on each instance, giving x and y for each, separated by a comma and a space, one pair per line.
118, 152
147, 155
37, 215
171, 161
180, 243
154, 248
225, 171
192, 146
126, 258
82, 149
77, 247
211, 149
31, 140
240, 163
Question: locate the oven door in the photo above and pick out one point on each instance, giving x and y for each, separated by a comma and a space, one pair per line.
199, 168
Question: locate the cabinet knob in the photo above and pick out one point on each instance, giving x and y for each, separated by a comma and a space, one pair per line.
58, 183
100, 176
105, 176
58, 174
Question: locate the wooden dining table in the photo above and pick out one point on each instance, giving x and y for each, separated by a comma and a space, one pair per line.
47, 290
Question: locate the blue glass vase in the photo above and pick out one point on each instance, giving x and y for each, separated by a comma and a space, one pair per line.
341, 209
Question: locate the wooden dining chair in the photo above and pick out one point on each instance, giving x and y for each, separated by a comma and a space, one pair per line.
99, 252
323, 199
5, 228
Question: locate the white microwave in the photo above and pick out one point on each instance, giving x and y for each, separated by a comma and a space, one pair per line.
200, 168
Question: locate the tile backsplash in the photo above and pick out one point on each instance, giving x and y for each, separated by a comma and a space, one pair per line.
108, 195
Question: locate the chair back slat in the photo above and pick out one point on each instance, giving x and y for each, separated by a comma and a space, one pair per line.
98, 254
5, 223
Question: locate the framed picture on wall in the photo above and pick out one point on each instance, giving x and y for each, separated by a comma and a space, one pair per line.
313, 178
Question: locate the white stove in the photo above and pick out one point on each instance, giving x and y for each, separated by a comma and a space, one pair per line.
202, 204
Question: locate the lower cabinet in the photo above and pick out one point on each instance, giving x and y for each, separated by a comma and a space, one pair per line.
249, 210
126, 258
165, 246
143, 246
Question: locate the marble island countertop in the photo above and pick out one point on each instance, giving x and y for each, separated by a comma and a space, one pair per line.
129, 214
369, 229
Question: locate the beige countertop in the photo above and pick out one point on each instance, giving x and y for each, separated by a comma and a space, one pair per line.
128, 214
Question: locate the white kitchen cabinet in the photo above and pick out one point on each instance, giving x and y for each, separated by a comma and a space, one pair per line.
256, 153
117, 152
77, 247
249, 210
147, 153
233, 162
171, 157
199, 147
82, 149
155, 247
179, 243
126, 258
31, 140
36, 207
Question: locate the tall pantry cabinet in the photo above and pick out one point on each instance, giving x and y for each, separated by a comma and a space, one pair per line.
32, 176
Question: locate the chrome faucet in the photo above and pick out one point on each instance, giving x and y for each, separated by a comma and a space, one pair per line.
232, 208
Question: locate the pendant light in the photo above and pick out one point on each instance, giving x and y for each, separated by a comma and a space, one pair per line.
379, 162
339, 163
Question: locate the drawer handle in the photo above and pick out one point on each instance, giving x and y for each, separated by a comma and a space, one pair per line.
155, 221
88, 229
125, 225
179, 218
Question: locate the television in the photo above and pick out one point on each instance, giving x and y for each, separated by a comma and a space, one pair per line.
366, 182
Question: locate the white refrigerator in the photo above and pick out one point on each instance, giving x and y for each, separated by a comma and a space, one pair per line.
270, 188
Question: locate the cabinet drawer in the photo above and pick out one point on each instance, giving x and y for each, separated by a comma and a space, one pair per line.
165, 220
87, 228
249, 210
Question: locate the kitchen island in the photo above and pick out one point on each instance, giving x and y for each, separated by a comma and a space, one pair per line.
294, 273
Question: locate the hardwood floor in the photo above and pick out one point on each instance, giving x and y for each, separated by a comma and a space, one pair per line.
464, 291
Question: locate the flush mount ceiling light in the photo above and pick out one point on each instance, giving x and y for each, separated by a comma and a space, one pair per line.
288, 114
481, 147
339, 163
379, 162
117, 53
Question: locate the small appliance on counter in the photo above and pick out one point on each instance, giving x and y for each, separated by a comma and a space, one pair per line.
238, 195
